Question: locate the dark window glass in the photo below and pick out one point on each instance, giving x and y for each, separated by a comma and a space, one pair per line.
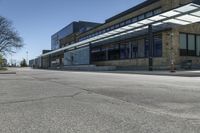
117, 26
128, 22
96, 50
183, 44
191, 45
134, 49
134, 19
198, 45
113, 27
124, 51
149, 14
98, 54
108, 29
141, 48
146, 48
122, 23
157, 47
113, 52
141, 17
157, 11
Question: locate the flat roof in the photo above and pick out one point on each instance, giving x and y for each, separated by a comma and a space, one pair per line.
183, 15
135, 8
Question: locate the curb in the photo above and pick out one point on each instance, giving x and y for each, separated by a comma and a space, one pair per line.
7, 73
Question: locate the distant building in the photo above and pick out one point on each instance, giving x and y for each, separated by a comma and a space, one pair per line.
31, 63
68, 35
64, 37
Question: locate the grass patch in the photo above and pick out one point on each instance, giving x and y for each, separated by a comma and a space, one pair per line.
3, 69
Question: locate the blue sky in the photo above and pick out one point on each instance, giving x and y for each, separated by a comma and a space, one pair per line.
37, 20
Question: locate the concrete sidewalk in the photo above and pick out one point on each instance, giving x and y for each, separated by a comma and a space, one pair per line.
191, 73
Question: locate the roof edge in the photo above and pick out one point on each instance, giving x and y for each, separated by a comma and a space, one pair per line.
135, 8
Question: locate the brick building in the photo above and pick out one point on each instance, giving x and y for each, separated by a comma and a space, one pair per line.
156, 34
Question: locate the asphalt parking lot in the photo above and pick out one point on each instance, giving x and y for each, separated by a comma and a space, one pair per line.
42, 101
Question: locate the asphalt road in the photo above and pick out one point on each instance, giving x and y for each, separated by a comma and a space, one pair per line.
40, 101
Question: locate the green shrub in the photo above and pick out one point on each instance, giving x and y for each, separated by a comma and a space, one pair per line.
3, 69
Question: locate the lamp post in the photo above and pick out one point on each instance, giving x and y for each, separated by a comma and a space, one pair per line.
27, 57
150, 30
172, 65
11, 60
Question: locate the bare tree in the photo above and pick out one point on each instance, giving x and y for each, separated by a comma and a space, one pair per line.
10, 40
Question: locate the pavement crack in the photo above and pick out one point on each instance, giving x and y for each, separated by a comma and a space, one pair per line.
40, 99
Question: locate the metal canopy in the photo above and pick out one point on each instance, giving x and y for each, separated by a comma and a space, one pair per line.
184, 15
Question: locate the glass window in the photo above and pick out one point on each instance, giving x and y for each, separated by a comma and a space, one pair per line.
191, 45
117, 26
157, 11
122, 23
183, 41
191, 42
98, 54
187, 45
113, 27
134, 49
146, 47
149, 14
198, 45
128, 22
108, 29
113, 52
134, 19
141, 17
96, 49
141, 48
157, 48
183, 44
124, 51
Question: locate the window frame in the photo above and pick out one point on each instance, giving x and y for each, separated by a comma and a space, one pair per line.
186, 52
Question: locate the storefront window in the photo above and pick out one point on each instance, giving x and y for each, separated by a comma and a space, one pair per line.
157, 48
134, 49
146, 47
113, 52
98, 54
183, 44
191, 45
141, 48
198, 45
124, 51
188, 45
